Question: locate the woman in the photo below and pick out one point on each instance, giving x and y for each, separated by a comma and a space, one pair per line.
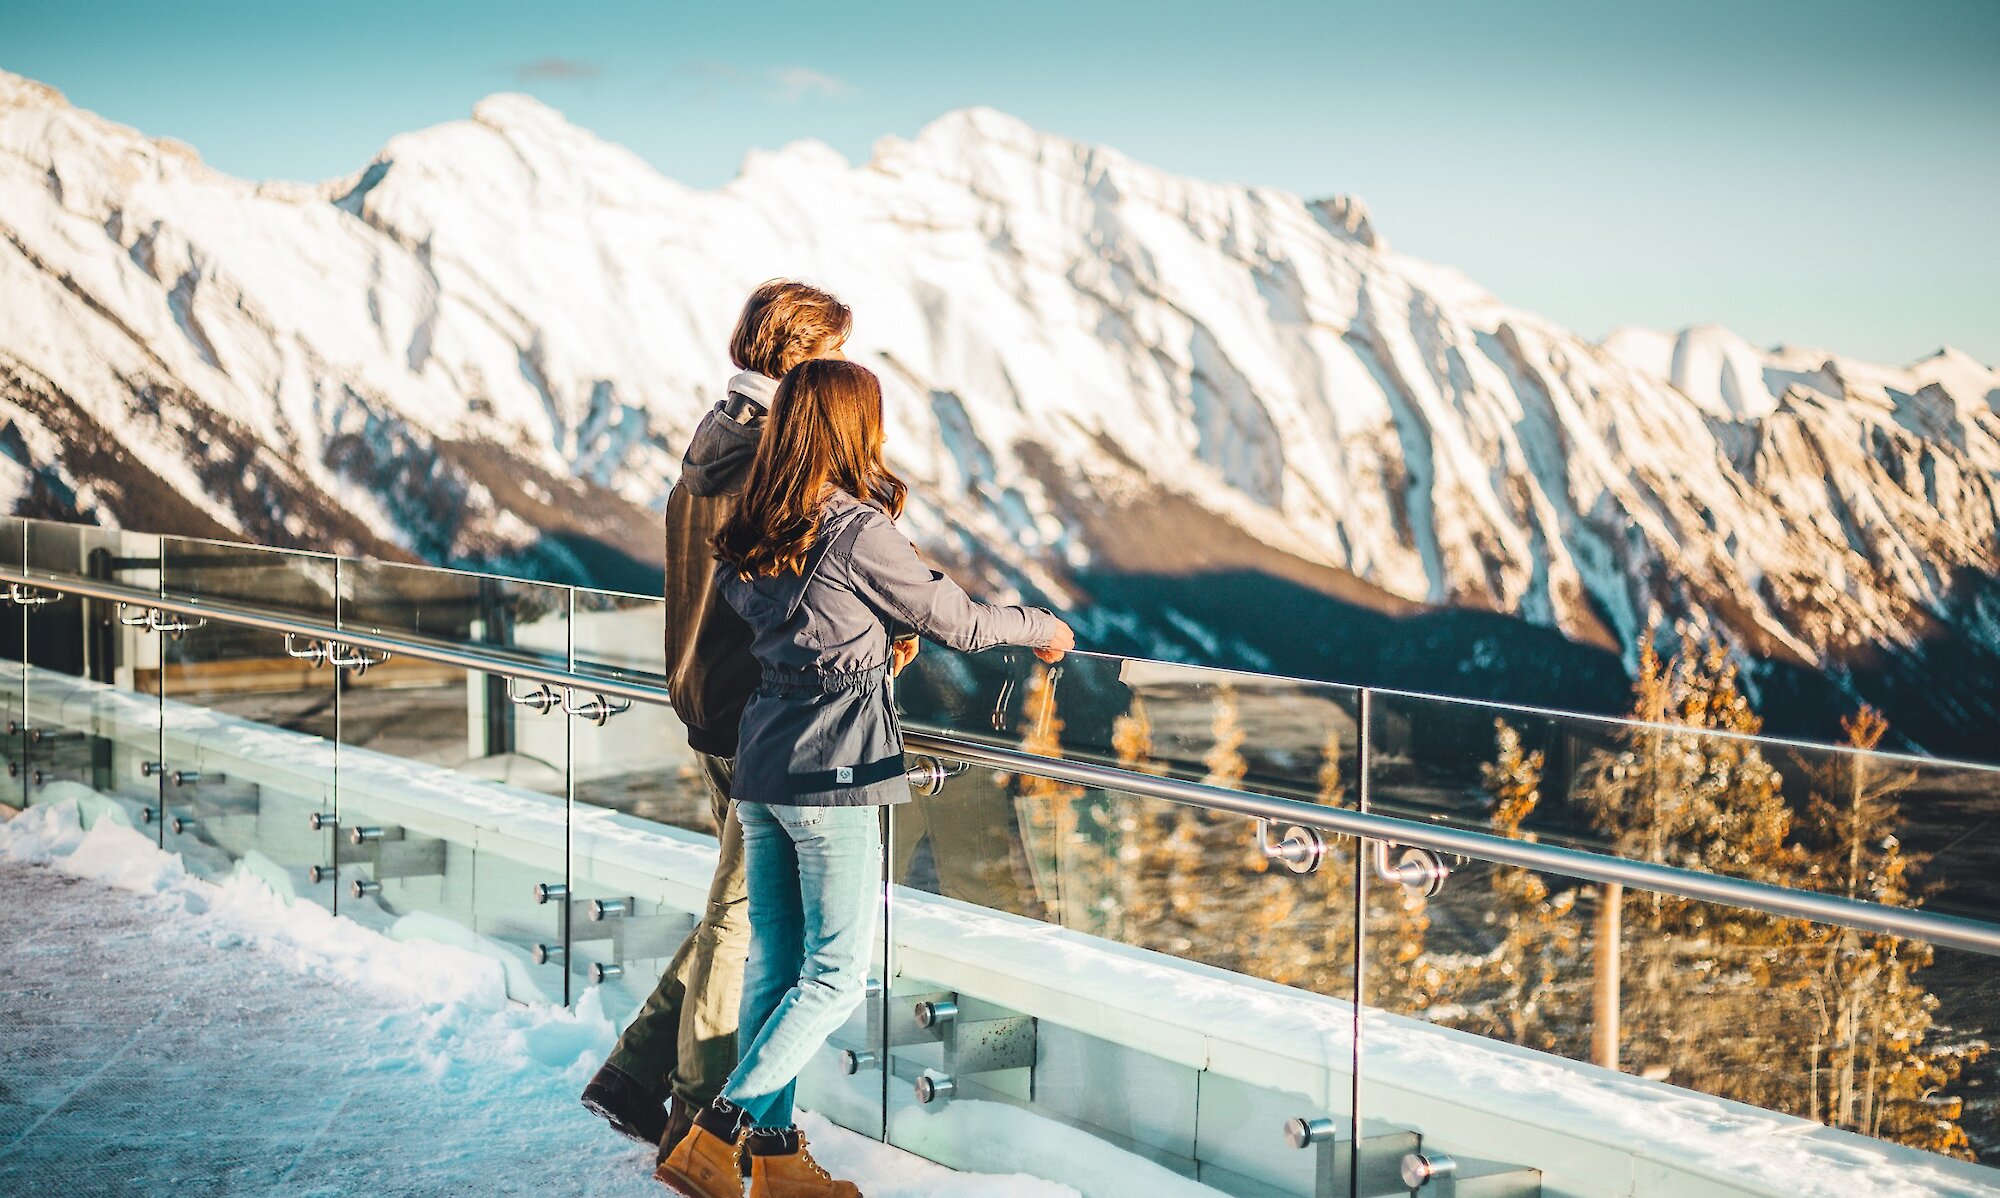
812, 561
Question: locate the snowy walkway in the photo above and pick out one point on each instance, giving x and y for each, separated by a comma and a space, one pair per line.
163, 1035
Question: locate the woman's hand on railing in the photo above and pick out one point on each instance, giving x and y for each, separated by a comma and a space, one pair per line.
1063, 641
902, 651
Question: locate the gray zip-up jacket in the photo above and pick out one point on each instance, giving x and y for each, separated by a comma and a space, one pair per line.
821, 728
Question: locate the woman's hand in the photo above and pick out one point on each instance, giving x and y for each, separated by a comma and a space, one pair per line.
1062, 642
902, 651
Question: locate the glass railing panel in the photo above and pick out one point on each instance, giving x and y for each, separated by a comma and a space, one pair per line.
454, 813
13, 676
93, 722
502, 617
1124, 980
635, 783
284, 582
1543, 1023
246, 759
1243, 731
634, 758
1701, 798
56, 551
93, 713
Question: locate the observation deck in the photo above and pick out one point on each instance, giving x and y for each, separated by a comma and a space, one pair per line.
1151, 929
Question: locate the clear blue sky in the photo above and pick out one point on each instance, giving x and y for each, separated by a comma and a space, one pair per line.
1822, 172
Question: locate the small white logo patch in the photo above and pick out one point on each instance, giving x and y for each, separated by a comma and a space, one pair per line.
843, 773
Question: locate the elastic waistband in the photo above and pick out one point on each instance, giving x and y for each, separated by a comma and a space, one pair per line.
807, 682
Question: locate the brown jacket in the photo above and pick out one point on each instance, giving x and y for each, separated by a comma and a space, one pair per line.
710, 672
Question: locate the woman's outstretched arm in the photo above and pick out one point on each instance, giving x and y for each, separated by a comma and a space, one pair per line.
887, 574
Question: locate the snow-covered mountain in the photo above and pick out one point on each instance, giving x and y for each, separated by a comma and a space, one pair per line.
1216, 421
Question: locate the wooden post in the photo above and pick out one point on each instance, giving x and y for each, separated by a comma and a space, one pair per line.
1605, 995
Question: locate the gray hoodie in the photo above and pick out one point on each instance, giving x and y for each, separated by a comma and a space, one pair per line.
821, 728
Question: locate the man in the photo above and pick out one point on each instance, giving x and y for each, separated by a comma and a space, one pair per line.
671, 1062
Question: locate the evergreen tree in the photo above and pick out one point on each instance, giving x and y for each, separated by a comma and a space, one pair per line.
1871, 1070
1526, 988
1047, 813
1699, 991
1191, 882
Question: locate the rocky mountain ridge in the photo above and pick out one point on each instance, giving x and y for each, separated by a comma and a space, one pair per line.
1163, 404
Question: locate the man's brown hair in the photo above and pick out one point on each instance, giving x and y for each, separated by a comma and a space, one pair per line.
783, 324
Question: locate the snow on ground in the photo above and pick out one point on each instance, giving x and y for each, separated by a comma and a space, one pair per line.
162, 1033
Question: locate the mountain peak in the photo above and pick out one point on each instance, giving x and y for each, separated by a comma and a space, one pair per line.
1950, 355
518, 112
979, 124
19, 92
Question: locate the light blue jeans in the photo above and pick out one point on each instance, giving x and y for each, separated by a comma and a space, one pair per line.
815, 879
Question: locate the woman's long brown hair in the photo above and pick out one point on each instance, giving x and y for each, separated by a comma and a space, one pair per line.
824, 431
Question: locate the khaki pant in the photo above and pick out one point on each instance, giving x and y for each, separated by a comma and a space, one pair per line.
684, 1039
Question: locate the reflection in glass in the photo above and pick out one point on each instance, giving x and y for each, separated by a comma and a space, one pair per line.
635, 759
501, 616
1688, 784
1191, 720
282, 581
1859, 1031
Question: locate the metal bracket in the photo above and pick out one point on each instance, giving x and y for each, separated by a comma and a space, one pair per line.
135, 617
1000, 702
1419, 871
544, 698
314, 654
971, 1047
28, 596
1301, 850
611, 908
1430, 1174
887, 1030
350, 657
390, 854
1333, 1156
171, 624
927, 775
597, 710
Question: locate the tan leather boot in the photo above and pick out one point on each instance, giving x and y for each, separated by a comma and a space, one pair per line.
780, 1167
707, 1161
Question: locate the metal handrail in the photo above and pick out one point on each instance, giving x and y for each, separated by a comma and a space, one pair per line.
1948, 930
441, 652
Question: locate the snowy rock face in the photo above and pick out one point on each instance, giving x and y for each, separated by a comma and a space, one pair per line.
489, 344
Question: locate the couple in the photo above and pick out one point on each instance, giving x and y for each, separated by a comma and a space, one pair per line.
791, 601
